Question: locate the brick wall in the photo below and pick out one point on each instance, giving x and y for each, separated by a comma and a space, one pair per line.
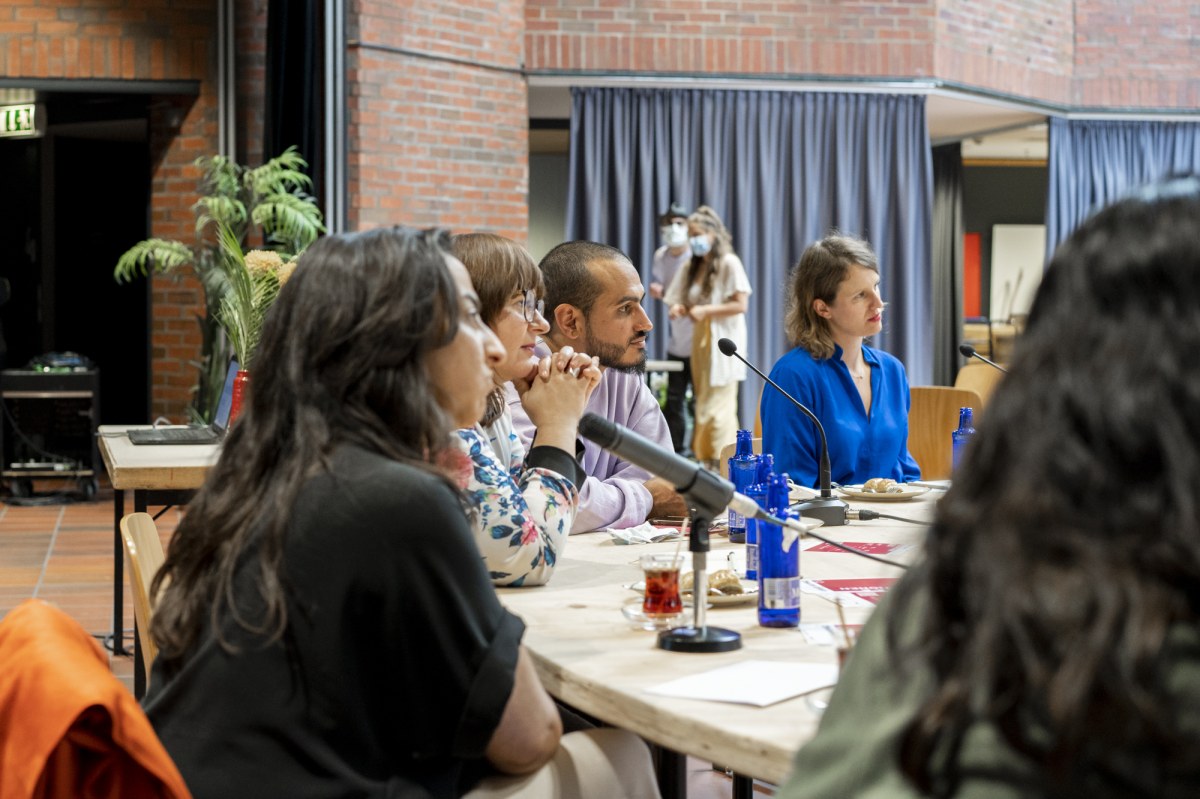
1019, 47
438, 116
1134, 53
110, 39
177, 298
251, 59
1090, 52
757, 37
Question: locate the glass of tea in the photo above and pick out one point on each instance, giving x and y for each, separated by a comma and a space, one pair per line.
661, 597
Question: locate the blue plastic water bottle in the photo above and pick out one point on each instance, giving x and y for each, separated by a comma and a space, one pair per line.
960, 437
778, 569
757, 492
742, 470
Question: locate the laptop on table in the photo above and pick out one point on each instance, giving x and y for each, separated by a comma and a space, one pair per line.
209, 434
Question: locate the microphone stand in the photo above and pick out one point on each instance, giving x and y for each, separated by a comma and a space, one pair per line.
826, 507
700, 637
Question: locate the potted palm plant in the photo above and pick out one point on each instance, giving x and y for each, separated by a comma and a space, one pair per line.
253, 280
271, 200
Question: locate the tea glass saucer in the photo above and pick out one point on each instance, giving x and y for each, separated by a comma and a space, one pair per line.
632, 610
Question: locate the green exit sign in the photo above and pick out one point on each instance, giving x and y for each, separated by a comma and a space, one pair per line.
20, 120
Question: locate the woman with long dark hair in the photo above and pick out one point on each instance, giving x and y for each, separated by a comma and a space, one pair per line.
713, 291
325, 624
1049, 643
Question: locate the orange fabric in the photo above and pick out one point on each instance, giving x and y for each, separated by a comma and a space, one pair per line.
68, 727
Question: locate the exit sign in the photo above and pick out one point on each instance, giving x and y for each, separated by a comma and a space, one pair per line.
21, 120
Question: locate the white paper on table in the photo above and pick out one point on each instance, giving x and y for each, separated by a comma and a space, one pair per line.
751, 682
645, 533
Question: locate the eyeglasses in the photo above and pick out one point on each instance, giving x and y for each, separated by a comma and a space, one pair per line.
533, 306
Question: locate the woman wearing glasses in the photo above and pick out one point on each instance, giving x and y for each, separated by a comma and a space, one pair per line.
525, 501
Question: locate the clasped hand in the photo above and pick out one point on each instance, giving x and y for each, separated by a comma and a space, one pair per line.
556, 393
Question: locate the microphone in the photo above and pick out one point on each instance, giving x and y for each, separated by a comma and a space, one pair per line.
707, 492
825, 507
969, 352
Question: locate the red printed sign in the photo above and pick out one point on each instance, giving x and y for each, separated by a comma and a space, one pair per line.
873, 547
870, 589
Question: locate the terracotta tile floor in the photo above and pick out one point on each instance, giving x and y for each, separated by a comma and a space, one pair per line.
64, 554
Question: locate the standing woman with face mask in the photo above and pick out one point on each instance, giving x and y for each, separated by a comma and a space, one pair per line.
714, 292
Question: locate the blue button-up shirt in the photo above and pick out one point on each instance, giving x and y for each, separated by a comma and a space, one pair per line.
861, 445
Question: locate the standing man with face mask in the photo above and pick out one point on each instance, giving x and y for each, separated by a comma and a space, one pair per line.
668, 260
594, 305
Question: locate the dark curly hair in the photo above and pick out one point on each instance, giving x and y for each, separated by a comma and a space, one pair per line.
1068, 549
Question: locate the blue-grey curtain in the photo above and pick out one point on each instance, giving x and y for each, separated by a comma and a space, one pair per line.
782, 169
1094, 162
947, 259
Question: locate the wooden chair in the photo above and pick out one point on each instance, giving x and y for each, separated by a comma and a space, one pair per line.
144, 557
980, 378
931, 419
727, 453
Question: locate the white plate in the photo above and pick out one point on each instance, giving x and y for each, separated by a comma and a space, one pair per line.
907, 492
749, 594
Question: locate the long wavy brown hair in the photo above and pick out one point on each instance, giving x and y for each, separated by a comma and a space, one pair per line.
342, 360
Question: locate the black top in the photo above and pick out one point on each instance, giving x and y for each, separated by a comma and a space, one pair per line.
395, 668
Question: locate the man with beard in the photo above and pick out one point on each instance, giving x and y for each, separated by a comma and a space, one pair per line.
594, 305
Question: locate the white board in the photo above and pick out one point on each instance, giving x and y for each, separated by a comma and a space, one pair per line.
1018, 260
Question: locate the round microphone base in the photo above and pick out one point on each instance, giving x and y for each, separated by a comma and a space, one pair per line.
829, 510
699, 639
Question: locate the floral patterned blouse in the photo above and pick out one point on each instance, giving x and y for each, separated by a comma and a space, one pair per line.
525, 506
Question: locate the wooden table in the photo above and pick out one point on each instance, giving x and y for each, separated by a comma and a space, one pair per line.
165, 473
589, 657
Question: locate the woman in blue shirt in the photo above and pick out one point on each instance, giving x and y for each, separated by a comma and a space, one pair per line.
860, 394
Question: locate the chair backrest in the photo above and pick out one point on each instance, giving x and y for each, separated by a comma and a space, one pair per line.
727, 453
932, 417
144, 556
982, 379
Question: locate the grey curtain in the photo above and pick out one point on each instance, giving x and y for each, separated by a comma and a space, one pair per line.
1094, 162
947, 247
782, 169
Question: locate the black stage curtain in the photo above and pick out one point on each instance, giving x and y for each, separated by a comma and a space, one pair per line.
947, 252
294, 92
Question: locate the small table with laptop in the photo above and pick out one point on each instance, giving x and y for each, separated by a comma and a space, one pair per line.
164, 464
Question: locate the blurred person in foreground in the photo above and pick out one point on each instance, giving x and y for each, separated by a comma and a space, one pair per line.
1049, 643
325, 624
525, 502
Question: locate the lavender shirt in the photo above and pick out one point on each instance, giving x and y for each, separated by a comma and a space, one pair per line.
613, 494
